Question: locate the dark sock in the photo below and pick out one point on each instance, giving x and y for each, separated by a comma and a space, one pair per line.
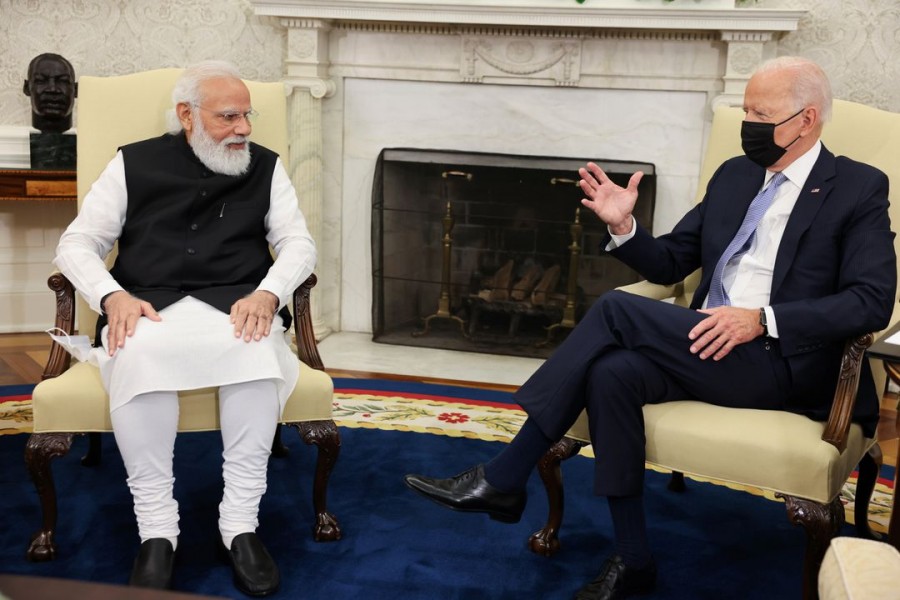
631, 530
509, 470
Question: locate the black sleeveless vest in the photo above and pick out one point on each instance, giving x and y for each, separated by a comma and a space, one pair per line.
190, 231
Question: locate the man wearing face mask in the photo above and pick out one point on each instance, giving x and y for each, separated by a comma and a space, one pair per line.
796, 254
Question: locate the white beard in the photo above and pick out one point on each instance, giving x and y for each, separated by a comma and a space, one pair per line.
217, 156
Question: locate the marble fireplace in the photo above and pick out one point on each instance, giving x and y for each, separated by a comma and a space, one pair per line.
629, 80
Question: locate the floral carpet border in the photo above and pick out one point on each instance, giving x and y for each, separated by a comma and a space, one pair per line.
473, 419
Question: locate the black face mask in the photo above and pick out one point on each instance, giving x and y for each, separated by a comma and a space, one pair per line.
758, 141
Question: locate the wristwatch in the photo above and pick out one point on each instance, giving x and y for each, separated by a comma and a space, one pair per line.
762, 321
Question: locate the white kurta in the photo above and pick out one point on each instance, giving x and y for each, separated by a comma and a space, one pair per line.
194, 345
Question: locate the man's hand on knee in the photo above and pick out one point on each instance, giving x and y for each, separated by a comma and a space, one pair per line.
252, 315
724, 329
122, 313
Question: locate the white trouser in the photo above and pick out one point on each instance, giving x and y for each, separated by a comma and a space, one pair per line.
145, 429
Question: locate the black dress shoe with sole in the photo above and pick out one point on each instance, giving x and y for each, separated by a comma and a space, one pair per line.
617, 580
255, 571
470, 492
153, 565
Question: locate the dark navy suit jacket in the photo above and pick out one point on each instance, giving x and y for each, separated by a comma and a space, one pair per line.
834, 277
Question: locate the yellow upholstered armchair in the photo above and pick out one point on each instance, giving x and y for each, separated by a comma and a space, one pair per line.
802, 461
71, 399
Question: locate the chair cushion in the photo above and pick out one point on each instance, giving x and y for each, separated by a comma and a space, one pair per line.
857, 568
773, 450
77, 402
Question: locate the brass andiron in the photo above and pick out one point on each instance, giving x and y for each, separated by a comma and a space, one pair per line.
443, 311
568, 318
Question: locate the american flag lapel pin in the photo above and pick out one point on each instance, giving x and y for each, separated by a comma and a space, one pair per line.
814, 191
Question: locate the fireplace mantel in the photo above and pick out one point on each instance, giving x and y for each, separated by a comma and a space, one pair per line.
747, 33
618, 79
620, 14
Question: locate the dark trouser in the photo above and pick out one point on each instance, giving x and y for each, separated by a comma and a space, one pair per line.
628, 351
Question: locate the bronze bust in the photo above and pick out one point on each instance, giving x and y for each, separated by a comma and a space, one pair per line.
52, 88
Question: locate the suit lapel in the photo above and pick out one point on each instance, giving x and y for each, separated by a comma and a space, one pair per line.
814, 194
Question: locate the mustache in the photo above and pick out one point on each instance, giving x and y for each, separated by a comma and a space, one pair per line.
235, 139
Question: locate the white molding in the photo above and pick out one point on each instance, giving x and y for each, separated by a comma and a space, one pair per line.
615, 14
15, 150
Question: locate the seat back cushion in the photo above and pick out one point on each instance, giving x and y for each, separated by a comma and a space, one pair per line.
861, 132
114, 111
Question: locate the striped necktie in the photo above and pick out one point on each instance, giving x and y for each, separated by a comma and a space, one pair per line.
742, 240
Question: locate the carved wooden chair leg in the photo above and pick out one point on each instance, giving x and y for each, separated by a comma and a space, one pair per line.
279, 450
869, 467
821, 523
676, 483
324, 434
40, 449
546, 540
94, 453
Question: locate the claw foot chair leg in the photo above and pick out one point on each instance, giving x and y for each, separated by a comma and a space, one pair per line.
40, 449
869, 467
546, 541
324, 434
821, 523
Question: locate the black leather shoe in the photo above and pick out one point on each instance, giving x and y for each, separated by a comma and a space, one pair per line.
616, 580
470, 492
153, 565
255, 571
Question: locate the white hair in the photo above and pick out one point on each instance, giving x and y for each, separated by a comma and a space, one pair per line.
187, 88
809, 83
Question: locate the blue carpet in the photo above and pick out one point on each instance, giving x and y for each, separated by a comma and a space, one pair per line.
16, 390
710, 542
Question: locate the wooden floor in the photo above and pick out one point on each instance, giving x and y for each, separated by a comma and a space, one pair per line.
23, 355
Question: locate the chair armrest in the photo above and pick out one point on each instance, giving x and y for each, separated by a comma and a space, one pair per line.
59, 359
838, 426
303, 328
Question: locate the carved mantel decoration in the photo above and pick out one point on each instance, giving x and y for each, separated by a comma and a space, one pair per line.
556, 31
710, 47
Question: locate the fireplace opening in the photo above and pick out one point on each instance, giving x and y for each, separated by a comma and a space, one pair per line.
490, 252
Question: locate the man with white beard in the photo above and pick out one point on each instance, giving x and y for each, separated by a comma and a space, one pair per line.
191, 302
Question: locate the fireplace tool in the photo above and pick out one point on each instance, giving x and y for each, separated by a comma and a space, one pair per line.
443, 311
568, 318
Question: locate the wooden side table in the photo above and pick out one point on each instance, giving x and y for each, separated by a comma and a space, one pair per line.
35, 184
